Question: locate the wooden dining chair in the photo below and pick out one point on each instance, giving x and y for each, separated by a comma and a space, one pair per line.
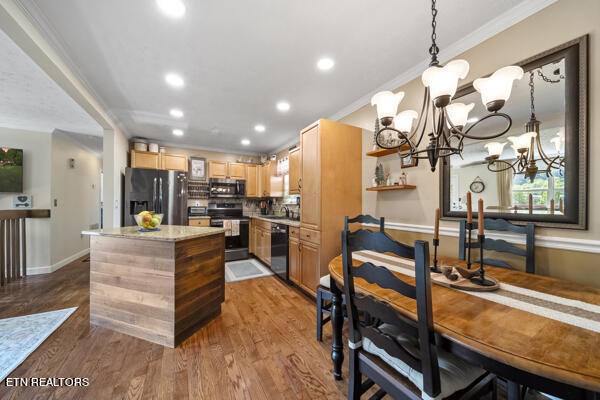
500, 245
394, 352
324, 295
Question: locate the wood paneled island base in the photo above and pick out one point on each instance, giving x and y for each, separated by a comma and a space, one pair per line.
160, 288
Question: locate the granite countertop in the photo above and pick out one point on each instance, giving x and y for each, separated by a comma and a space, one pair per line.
170, 233
289, 222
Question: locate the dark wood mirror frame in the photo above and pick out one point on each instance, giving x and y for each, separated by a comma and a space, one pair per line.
575, 53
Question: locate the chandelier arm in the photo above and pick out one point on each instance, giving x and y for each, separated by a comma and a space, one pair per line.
423, 112
428, 104
505, 168
491, 115
384, 146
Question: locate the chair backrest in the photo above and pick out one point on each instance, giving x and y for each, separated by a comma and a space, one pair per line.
365, 219
500, 245
422, 329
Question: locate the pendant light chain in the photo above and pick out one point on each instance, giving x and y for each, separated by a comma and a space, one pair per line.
434, 49
531, 93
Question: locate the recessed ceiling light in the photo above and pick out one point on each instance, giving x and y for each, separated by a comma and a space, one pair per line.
177, 132
174, 80
283, 106
325, 64
245, 142
472, 120
259, 128
176, 113
173, 8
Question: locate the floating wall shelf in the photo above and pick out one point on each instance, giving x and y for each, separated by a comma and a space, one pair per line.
396, 187
386, 152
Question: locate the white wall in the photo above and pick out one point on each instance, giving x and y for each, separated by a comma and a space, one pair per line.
77, 194
36, 182
115, 156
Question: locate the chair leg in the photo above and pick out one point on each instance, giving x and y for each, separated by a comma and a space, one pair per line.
355, 381
319, 316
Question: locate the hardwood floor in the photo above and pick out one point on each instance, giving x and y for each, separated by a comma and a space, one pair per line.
262, 346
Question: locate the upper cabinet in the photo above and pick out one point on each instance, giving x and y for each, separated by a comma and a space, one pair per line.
175, 162
217, 169
295, 158
311, 178
222, 169
252, 180
147, 159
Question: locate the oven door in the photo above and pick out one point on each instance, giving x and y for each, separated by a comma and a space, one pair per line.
236, 247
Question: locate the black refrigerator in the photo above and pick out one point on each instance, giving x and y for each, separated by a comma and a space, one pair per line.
161, 191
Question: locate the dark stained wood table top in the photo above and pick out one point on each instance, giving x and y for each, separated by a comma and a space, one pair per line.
530, 342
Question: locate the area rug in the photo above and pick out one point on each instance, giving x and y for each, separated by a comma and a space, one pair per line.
245, 269
20, 336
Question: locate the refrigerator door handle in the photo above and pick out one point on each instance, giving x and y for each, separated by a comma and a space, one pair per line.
154, 196
160, 192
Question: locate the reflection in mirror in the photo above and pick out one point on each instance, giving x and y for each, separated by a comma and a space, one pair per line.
523, 171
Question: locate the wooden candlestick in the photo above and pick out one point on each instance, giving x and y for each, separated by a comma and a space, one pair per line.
469, 209
530, 203
480, 217
436, 241
436, 231
560, 205
551, 206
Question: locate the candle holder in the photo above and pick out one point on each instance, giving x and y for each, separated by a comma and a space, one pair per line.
480, 280
434, 268
468, 243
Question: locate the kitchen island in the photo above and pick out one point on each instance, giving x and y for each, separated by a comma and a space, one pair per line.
158, 286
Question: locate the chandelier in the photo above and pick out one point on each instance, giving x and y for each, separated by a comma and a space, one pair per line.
449, 126
526, 144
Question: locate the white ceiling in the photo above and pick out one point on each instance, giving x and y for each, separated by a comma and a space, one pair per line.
239, 58
30, 100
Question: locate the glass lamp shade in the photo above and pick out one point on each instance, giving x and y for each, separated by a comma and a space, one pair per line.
522, 141
495, 148
517, 154
404, 121
458, 113
498, 86
387, 103
442, 81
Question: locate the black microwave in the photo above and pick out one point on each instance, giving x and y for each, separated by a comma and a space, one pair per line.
228, 188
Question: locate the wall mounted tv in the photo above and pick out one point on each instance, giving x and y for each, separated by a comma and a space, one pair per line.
11, 170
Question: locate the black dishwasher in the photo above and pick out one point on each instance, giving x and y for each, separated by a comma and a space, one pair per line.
279, 251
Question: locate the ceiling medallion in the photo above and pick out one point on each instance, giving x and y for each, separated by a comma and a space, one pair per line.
449, 126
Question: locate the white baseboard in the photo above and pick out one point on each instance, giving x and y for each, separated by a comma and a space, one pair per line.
47, 269
554, 242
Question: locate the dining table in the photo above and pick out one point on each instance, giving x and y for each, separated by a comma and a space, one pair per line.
534, 331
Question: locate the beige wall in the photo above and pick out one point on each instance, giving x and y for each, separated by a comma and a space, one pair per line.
115, 159
77, 193
36, 182
556, 24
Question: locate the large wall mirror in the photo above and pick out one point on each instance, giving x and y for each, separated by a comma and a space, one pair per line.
549, 112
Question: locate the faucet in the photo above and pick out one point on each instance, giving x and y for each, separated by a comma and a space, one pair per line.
287, 211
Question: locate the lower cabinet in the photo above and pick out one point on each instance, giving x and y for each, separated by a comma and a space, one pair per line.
294, 260
262, 245
199, 222
309, 266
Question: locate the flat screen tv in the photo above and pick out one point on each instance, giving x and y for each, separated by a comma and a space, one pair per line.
11, 170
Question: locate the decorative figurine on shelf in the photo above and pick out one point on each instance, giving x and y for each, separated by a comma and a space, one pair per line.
379, 174
403, 179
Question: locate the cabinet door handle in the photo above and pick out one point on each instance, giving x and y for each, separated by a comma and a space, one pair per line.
299, 246
299, 183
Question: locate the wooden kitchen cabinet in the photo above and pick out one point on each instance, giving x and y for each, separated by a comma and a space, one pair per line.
294, 260
252, 180
263, 245
310, 267
331, 188
236, 170
295, 159
145, 159
177, 162
217, 169
199, 222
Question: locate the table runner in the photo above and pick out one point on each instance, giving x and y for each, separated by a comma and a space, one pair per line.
569, 311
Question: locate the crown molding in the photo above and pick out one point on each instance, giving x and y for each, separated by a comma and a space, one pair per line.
286, 146
553, 242
204, 148
502, 22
